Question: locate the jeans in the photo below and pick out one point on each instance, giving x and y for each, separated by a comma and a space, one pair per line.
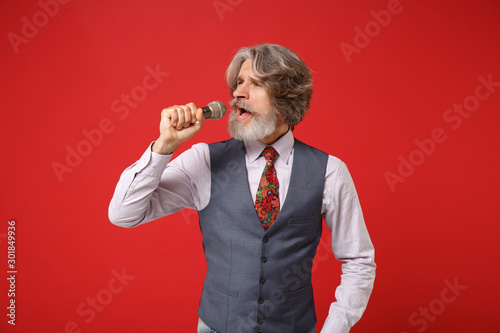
203, 328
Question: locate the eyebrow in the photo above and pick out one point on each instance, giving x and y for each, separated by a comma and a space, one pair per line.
251, 78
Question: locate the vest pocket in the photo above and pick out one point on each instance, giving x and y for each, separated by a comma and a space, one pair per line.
222, 289
307, 290
298, 221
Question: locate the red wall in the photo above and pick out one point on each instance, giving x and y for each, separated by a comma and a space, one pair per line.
407, 93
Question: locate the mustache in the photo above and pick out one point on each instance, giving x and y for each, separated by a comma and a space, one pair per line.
242, 105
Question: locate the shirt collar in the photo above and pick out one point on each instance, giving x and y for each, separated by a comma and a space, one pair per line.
283, 146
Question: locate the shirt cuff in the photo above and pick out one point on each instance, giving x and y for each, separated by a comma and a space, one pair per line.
334, 324
151, 163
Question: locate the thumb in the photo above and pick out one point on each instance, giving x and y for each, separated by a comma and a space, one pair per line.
200, 119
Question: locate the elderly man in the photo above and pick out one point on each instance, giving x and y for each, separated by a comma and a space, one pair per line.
261, 225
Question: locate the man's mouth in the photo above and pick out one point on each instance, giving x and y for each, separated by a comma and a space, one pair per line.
242, 114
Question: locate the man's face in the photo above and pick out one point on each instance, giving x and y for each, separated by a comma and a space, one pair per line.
252, 116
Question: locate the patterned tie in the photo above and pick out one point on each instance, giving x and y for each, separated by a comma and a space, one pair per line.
267, 203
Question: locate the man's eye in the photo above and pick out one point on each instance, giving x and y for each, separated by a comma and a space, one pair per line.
239, 82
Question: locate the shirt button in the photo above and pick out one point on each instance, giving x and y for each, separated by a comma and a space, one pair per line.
259, 331
263, 259
260, 321
262, 280
265, 239
261, 300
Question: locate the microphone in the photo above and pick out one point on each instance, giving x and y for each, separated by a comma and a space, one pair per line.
214, 110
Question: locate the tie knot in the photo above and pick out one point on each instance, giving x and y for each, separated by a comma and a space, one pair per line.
269, 153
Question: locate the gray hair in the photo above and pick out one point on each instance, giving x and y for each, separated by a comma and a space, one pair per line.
286, 77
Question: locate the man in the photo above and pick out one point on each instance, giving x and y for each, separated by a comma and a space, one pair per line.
260, 198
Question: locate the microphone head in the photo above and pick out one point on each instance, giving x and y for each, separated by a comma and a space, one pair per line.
218, 109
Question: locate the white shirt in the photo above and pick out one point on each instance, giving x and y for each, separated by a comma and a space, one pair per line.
155, 186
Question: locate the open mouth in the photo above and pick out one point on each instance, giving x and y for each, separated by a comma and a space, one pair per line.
242, 113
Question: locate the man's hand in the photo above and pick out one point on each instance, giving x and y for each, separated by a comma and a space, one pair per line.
178, 123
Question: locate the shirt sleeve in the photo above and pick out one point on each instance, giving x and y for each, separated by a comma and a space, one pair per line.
351, 244
156, 186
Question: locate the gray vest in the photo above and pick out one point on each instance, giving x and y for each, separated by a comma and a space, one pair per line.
258, 280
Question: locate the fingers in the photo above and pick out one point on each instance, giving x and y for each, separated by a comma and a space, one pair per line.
181, 116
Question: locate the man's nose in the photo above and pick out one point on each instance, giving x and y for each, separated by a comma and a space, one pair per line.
241, 91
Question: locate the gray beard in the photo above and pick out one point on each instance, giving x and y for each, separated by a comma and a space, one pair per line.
259, 127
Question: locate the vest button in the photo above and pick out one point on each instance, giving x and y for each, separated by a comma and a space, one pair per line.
263, 259
261, 300
262, 280
260, 321
259, 331
265, 239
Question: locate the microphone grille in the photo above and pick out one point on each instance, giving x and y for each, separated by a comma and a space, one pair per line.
218, 109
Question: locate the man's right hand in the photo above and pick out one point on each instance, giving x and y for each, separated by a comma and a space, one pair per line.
178, 123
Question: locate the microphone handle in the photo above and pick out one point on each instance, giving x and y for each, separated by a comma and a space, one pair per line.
207, 112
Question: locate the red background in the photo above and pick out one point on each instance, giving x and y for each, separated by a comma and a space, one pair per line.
368, 109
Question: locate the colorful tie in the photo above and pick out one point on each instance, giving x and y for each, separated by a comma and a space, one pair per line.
267, 203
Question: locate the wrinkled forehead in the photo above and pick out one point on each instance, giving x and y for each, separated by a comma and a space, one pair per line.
246, 69
246, 65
